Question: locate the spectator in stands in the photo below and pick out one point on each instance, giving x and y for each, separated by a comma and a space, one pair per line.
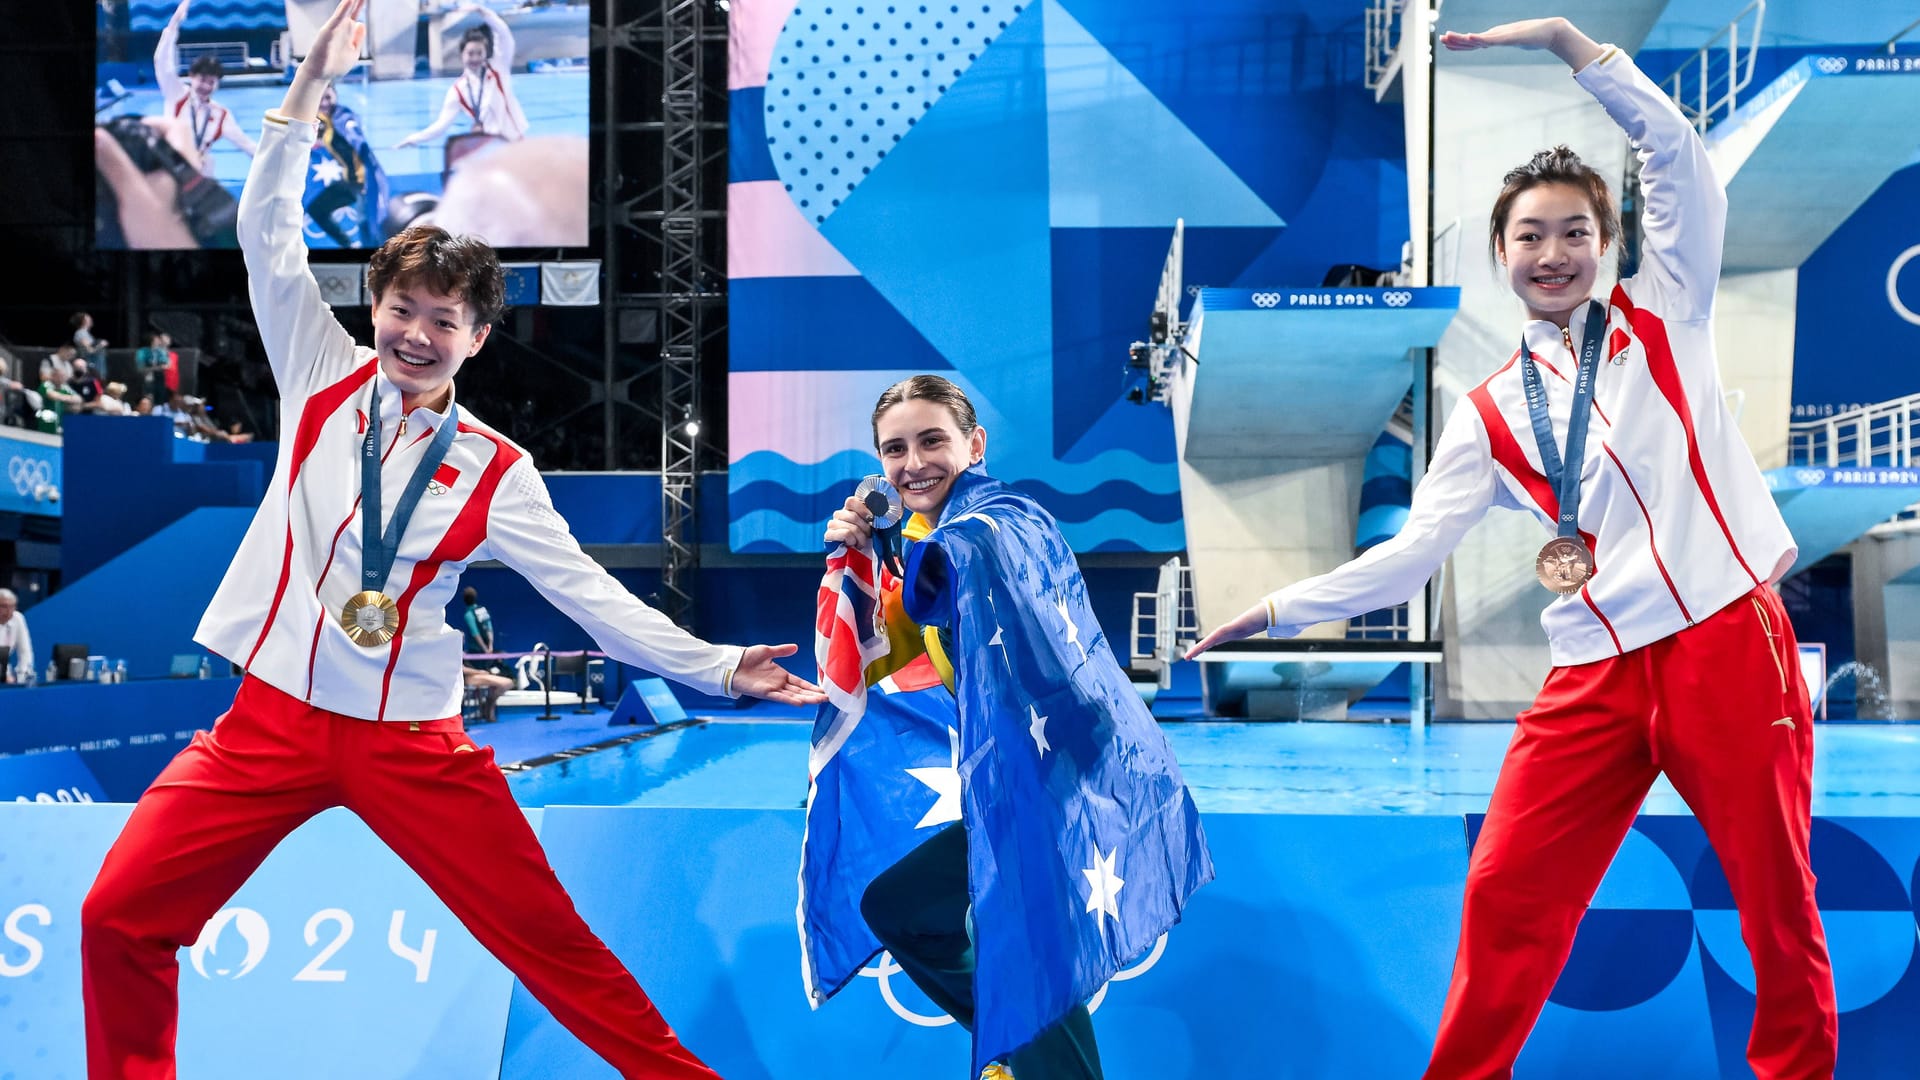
56, 401
479, 624
191, 103
19, 403
190, 419
14, 637
62, 360
493, 683
83, 338
143, 407
114, 401
153, 362
85, 384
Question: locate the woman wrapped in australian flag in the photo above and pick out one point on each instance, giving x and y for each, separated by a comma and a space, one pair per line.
346, 188
978, 688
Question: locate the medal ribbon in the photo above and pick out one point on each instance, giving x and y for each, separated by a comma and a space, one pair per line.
1565, 480
377, 551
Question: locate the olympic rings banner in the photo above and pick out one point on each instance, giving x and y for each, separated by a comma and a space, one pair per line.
1322, 950
32, 484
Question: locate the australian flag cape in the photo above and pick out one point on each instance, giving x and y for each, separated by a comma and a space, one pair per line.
1083, 841
341, 212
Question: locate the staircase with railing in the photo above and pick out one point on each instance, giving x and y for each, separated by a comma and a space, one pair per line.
1851, 474
1709, 86
1882, 435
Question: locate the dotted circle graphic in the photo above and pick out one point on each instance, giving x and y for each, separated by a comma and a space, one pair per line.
849, 80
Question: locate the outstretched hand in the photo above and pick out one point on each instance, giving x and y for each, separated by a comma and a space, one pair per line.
1557, 35
1524, 34
336, 46
1244, 625
760, 677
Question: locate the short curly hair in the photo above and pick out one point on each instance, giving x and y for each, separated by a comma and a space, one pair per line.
433, 258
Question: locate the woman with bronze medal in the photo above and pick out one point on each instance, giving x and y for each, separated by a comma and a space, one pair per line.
1671, 650
353, 687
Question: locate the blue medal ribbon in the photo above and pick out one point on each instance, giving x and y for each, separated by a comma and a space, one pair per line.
1564, 476
378, 551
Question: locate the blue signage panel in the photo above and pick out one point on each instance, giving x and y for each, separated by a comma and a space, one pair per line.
57, 776
1447, 297
333, 960
1325, 942
1323, 949
33, 479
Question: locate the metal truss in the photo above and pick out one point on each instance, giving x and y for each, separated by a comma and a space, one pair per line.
665, 54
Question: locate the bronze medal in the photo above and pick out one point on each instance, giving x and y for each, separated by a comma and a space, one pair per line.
1564, 565
371, 619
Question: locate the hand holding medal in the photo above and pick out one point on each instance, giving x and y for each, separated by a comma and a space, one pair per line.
882, 500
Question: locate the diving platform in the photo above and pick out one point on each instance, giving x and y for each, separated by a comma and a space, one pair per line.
1276, 401
1278, 395
1828, 508
1790, 183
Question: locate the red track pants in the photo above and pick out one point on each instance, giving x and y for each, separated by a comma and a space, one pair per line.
1721, 708
271, 763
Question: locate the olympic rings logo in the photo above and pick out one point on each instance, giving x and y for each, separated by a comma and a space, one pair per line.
884, 968
1831, 65
30, 476
1397, 297
1893, 285
1809, 477
1266, 299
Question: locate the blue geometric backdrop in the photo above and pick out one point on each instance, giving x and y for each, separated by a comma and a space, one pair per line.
987, 190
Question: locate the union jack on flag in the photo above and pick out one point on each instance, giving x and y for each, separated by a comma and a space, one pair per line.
846, 639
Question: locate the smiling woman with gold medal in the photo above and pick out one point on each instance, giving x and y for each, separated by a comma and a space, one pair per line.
353, 682
1671, 650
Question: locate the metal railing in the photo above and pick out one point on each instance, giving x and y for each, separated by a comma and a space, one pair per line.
1894, 41
1386, 624
1383, 42
1707, 87
1165, 621
1882, 435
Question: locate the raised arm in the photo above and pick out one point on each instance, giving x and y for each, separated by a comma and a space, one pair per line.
303, 340
166, 58
1454, 494
1683, 216
503, 44
1683, 222
526, 533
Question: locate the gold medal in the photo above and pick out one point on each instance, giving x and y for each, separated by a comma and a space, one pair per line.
1564, 565
371, 619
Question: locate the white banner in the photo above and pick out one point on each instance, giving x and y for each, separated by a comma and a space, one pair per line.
570, 284
341, 284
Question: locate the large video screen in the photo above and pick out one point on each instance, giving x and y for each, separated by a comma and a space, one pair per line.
471, 116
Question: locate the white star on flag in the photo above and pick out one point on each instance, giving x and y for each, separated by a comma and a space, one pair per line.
1103, 887
329, 171
945, 782
1073, 630
1038, 729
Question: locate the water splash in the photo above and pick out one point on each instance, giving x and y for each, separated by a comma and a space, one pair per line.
1870, 701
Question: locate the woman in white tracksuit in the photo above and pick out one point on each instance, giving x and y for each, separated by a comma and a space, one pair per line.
1671, 650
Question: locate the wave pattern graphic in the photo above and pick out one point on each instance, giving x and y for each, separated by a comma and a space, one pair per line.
1108, 466
146, 17
767, 531
803, 505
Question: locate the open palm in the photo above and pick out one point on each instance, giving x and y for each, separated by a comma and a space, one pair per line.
336, 47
